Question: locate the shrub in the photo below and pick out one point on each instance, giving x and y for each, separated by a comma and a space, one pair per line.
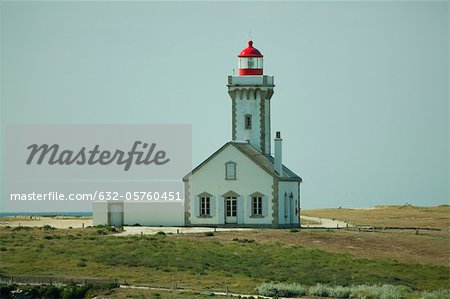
136, 224
340, 292
243, 240
50, 292
6, 291
209, 234
281, 290
71, 291
294, 230
50, 237
31, 292
47, 227
320, 290
207, 293
114, 229
74, 291
81, 264
436, 294
107, 286
161, 233
376, 292
19, 228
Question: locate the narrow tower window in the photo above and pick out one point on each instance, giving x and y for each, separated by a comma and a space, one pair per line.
248, 121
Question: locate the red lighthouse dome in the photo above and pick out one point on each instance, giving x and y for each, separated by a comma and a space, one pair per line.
250, 61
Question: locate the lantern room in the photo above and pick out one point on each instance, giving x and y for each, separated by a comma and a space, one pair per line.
250, 61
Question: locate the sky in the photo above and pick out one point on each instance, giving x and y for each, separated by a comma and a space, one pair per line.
361, 95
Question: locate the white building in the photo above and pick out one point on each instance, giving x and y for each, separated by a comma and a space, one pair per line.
145, 213
241, 184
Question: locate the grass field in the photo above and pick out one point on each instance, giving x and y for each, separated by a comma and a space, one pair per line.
200, 262
390, 216
241, 260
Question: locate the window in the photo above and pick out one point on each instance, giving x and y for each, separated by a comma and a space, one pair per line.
250, 62
205, 206
285, 205
257, 205
230, 170
248, 121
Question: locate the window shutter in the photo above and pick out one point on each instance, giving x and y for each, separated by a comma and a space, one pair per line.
221, 214
212, 206
240, 209
249, 206
196, 206
265, 205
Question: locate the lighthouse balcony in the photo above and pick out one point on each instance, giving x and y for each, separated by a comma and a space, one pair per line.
250, 80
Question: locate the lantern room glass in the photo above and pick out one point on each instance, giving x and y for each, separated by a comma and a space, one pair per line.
250, 62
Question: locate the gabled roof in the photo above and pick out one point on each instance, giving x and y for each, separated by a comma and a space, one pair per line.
266, 162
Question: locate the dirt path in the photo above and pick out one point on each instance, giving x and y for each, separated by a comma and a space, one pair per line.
324, 222
211, 293
152, 230
78, 222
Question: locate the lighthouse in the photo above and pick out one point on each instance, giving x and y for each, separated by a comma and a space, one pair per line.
250, 92
240, 184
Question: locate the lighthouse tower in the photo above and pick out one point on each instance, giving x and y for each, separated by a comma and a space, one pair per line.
250, 93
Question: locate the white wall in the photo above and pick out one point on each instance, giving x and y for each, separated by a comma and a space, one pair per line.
100, 213
211, 179
145, 213
154, 213
245, 105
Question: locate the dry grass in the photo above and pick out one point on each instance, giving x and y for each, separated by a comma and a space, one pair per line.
390, 216
35, 218
425, 248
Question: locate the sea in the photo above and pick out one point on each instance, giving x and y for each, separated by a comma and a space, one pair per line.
73, 214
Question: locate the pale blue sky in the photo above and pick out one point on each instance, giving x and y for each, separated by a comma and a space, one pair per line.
361, 96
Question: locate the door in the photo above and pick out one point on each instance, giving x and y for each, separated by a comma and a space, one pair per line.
231, 209
116, 214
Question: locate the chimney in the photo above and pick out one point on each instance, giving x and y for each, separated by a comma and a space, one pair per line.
278, 161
